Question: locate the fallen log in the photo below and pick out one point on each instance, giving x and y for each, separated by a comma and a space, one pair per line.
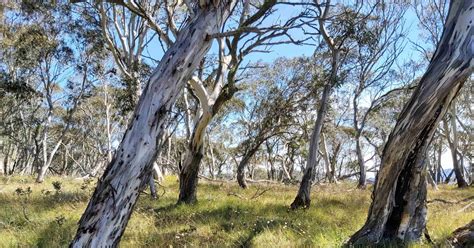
463, 236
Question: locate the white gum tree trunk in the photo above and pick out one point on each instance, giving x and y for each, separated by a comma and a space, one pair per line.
450, 130
111, 205
398, 209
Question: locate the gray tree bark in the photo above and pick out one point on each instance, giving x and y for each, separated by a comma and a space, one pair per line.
243, 164
110, 207
188, 176
302, 199
398, 209
463, 236
360, 159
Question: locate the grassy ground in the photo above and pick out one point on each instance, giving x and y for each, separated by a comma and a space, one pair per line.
224, 216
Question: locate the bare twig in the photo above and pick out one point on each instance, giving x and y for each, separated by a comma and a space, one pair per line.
465, 207
259, 193
450, 202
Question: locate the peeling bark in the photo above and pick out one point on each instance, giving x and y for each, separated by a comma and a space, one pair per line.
210, 104
188, 177
111, 205
398, 209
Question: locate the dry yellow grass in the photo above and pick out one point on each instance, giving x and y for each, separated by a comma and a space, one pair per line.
224, 216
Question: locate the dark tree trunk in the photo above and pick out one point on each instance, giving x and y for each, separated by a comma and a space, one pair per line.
398, 209
189, 174
110, 207
6, 160
439, 176
454, 155
188, 177
153, 193
463, 236
241, 168
249, 153
360, 159
457, 171
448, 177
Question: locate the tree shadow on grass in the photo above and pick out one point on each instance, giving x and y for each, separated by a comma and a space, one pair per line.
57, 233
40, 203
235, 225
166, 208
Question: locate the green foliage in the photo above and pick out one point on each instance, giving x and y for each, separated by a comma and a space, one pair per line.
225, 216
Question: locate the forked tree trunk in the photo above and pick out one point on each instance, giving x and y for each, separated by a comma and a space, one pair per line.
241, 171
454, 151
210, 105
157, 173
285, 172
109, 210
302, 199
243, 164
330, 171
44, 169
398, 209
189, 173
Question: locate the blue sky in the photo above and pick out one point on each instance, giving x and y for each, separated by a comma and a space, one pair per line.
284, 12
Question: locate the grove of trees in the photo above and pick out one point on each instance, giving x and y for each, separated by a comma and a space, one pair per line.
245, 91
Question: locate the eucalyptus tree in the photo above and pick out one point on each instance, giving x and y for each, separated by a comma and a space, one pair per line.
98, 124
337, 27
247, 35
431, 15
280, 93
110, 207
451, 134
375, 58
387, 106
464, 115
335, 138
128, 29
38, 41
398, 209
20, 100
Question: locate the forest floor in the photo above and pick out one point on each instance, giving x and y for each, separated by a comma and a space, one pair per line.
225, 215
